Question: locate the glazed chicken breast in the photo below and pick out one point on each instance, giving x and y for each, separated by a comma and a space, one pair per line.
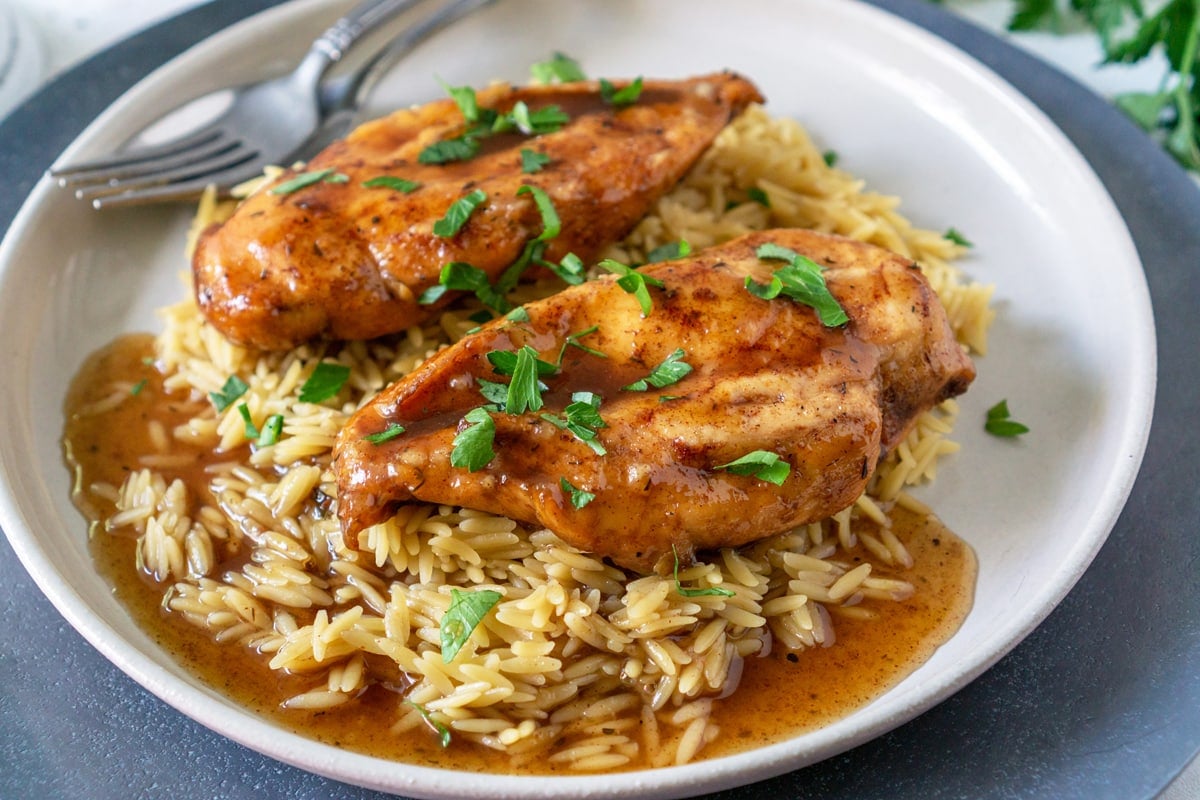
338, 259
765, 376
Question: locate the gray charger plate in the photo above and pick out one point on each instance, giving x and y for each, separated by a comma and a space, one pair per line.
1102, 700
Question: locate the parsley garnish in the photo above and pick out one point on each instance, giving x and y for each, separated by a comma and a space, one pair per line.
711, 591
551, 224
571, 269
518, 314
326, 381
250, 428
547, 119
308, 179
271, 431
579, 498
830, 157
572, 340
532, 161
634, 282
668, 252
953, 235
458, 213
672, 370
558, 67
137, 388
582, 418
392, 182
1000, 423
466, 611
504, 362
461, 276
442, 731
447, 150
392, 430
759, 196
762, 464
524, 393
473, 444
234, 388
494, 392
800, 280
625, 96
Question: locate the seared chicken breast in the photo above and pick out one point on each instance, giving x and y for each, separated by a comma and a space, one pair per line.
338, 259
652, 477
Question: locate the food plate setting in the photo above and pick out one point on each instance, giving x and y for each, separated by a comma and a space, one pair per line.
1072, 350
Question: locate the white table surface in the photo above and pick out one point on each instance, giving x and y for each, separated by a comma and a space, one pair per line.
57, 34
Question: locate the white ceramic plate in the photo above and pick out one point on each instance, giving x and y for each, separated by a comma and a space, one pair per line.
1072, 351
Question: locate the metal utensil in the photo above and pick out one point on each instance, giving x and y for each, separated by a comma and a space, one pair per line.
276, 121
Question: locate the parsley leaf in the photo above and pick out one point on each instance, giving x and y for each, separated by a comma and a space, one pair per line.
560, 67
271, 431
668, 252
461, 148
458, 213
570, 269
473, 444
524, 393
494, 392
625, 96
672, 370
711, 591
830, 157
137, 388
1000, 423
582, 418
634, 282
572, 340
954, 235
326, 381
504, 362
547, 119
464, 98
551, 224
801, 280
308, 179
759, 196
392, 430
532, 161
762, 464
250, 428
518, 314
392, 182
461, 276
442, 731
466, 611
579, 498
234, 388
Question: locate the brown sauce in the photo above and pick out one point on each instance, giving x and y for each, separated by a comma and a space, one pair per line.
779, 696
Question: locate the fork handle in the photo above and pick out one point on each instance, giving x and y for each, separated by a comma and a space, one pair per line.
331, 46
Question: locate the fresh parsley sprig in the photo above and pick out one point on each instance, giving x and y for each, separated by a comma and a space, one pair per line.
800, 279
634, 282
672, 370
466, 611
762, 464
999, 422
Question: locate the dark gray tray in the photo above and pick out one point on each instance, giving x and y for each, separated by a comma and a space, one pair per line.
1102, 700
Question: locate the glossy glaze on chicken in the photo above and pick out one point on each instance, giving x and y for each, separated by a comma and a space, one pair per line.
338, 260
766, 375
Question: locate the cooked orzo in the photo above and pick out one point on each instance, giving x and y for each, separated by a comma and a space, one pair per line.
225, 542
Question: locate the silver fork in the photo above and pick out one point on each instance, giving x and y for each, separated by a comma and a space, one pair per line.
277, 121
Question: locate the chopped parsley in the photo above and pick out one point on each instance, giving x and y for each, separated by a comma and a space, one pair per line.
762, 464
668, 252
759, 196
582, 418
461, 148
392, 182
579, 498
570, 269
999, 422
308, 179
627, 95
504, 362
532, 161
250, 428
551, 224
524, 389
559, 67
830, 157
137, 388
466, 611
711, 591
461, 276
473, 444
801, 280
458, 213
271, 431
572, 340
486, 122
392, 430
672, 370
634, 282
325, 382
518, 314
442, 731
234, 388
953, 235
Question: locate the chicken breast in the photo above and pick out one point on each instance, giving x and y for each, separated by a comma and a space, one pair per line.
339, 260
766, 375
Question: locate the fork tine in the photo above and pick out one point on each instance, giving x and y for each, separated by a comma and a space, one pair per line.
149, 167
180, 190
139, 154
203, 170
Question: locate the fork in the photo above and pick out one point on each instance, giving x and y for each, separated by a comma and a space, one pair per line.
277, 121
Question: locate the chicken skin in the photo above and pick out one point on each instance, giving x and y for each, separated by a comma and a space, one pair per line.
335, 259
766, 375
